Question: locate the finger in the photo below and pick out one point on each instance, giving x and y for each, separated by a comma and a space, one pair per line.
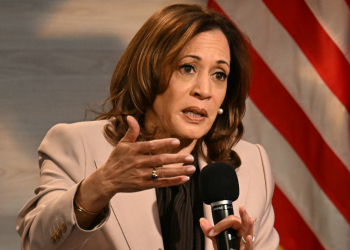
229, 222
167, 182
152, 161
247, 228
249, 245
247, 222
133, 131
157, 146
243, 213
206, 228
175, 171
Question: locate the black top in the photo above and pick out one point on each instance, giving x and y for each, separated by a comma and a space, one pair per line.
180, 208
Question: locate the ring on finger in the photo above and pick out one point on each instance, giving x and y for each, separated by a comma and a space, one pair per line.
154, 174
253, 239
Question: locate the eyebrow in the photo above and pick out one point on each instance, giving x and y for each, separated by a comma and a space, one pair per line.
200, 59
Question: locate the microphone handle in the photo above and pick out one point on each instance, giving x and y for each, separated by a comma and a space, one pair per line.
226, 240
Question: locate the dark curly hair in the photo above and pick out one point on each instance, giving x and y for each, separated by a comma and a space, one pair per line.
145, 68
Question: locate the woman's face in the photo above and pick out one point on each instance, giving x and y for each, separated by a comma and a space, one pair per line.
188, 107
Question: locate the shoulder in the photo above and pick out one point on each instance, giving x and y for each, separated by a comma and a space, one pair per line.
75, 146
244, 148
255, 162
65, 131
252, 155
81, 127
256, 186
80, 135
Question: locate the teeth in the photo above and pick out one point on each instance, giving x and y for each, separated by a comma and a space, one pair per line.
192, 114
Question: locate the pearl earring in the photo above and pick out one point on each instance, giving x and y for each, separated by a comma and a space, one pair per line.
220, 111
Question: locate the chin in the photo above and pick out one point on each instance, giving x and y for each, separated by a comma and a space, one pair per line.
192, 135
191, 131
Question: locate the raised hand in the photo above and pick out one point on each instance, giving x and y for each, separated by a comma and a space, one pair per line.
130, 165
129, 169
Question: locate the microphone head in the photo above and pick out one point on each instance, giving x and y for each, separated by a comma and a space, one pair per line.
218, 181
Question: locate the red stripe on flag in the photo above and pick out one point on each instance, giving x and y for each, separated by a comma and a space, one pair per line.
277, 105
294, 232
273, 100
348, 3
316, 44
213, 5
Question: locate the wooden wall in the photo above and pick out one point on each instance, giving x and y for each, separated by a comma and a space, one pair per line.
56, 59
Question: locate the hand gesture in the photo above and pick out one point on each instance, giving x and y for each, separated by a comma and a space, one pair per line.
130, 166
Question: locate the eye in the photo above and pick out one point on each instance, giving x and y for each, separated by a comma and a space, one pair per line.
221, 76
187, 68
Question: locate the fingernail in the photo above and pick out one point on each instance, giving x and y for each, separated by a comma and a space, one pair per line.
211, 233
189, 158
175, 143
191, 169
186, 178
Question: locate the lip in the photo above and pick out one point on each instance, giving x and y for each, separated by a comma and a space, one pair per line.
196, 110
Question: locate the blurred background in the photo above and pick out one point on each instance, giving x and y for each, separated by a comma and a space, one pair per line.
57, 58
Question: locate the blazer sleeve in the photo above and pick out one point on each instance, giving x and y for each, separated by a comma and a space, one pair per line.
267, 238
50, 213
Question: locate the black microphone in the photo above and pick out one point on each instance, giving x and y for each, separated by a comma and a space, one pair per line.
218, 186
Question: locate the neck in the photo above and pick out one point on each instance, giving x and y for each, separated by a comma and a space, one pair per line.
186, 145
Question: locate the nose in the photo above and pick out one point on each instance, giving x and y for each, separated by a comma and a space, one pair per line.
202, 87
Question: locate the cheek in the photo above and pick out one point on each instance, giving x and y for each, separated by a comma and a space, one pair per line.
164, 104
221, 96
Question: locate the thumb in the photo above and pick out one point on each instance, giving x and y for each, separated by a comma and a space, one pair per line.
133, 131
207, 228
205, 225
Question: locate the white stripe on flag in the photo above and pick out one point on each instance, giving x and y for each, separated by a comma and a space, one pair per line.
334, 16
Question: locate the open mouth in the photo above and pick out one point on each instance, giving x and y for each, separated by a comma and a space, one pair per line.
195, 112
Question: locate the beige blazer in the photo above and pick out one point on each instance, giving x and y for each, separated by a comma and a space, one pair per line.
71, 152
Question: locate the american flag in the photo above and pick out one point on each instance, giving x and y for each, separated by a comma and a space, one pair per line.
298, 110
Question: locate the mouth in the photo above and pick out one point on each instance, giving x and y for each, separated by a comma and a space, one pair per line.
195, 113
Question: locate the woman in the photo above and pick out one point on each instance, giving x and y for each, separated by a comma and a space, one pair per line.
122, 181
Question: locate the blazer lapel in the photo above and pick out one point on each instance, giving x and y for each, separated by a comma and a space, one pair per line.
137, 214
138, 217
243, 180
